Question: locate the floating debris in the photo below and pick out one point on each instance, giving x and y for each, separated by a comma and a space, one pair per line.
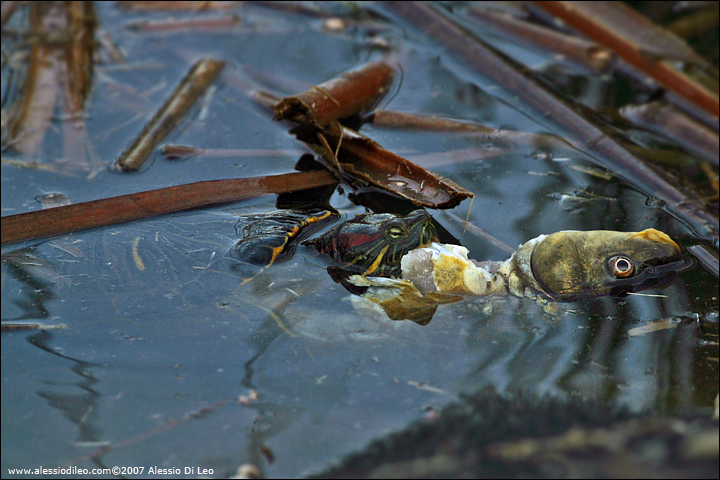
200, 77
12, 326
655, 326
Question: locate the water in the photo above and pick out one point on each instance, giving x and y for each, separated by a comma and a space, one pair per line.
162, 340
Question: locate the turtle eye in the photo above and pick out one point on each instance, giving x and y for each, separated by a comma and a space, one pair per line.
621, 266
394, 232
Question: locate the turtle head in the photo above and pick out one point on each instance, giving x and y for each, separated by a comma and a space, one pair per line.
573, 265
373, 244
402, 234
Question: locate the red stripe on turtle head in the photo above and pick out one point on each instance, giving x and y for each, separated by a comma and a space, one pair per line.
351, 239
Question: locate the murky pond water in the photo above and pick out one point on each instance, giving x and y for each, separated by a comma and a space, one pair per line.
169, 360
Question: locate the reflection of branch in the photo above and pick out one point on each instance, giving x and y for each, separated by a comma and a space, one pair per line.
81, 408
208, 25
583, 132
31, 115
54, 68
170, 424
481, 233
34, 272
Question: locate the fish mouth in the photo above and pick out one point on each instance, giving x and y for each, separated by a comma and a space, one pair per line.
651, 276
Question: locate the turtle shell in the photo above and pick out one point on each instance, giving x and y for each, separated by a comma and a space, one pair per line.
273, 237
373, 244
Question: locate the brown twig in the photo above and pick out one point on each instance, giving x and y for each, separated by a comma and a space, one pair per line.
338, 98
583, 133
675, 125
202, 74
582, 52
625, 32
330, 155
135, 206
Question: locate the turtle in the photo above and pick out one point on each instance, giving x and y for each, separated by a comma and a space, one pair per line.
370, 244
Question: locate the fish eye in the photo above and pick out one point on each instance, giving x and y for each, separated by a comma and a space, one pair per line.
621, 266
394, 232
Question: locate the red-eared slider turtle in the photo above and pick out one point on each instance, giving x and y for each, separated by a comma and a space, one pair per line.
368, 244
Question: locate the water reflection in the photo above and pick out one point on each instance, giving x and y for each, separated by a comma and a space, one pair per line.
36, 277
78, 401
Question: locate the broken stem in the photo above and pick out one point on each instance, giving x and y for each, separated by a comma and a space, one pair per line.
349, 94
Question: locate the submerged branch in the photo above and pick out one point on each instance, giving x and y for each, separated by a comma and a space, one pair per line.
136, 206
640, 43
202, 74
181, 152
400, 120
707, 257
582, 52
675, 125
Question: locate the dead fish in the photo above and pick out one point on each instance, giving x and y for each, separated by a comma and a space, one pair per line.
564, 266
